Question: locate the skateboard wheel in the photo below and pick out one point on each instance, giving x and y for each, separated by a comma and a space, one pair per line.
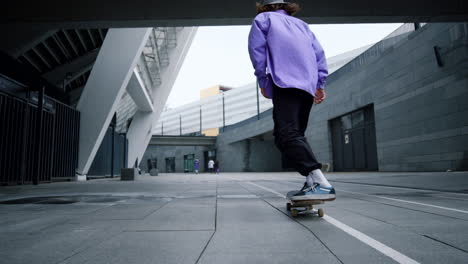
321, 213
288, 206
294, 213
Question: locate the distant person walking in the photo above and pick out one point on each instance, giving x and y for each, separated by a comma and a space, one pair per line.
211, 166
291, 69
196, 165
216, 167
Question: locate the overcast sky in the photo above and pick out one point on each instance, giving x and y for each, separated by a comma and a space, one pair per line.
218, 55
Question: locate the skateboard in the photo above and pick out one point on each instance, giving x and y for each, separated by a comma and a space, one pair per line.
303, 206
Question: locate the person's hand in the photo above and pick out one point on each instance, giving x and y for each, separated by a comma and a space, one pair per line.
320, 96
262, 90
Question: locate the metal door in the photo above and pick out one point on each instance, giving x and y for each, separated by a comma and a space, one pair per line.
354, 141
188, 163
170, 164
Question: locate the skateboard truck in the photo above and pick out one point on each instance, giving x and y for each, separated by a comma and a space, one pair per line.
304, 207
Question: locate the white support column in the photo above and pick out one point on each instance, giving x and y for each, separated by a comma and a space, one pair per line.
105, 86
140, 131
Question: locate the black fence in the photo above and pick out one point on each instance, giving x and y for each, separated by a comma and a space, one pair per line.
67, 138
58, 156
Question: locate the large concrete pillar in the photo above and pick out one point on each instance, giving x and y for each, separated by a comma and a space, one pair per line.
138, 134
140, 131
104, 89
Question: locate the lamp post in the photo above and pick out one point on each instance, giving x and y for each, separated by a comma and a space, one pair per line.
201, 119
224, 115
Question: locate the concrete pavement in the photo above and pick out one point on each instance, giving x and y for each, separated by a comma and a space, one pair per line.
236, 218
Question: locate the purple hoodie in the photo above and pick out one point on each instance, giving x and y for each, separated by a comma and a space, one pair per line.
283, 50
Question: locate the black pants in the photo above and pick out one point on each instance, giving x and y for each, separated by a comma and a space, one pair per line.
291, 109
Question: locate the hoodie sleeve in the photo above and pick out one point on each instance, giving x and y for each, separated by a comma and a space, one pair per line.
321, 62
258, 48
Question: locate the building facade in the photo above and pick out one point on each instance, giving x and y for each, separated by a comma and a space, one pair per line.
177, 154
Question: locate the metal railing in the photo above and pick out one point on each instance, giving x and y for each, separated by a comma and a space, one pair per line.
58, 132
154, 58
217, 111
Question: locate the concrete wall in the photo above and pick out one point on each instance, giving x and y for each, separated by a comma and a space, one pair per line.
254, 154
421, 109
163, 152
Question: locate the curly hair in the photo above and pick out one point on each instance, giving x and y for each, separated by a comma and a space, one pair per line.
290, 8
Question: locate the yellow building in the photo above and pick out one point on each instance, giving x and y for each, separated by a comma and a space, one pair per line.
214, 90
205, 93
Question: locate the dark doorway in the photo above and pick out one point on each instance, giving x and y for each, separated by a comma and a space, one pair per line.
354, 142
152, 163
170, 164
209, 155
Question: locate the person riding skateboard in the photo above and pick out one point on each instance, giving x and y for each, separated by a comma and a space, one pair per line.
291, 69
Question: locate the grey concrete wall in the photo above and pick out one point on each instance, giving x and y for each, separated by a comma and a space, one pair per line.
421, 109
254, 154
163, 152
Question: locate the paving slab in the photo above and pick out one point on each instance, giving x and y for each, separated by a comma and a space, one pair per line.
441, 181
146, 247
50, 246
344, 246
33, 222
171, 218
440, 225
411, 244
180, 214
251, 231
127, 211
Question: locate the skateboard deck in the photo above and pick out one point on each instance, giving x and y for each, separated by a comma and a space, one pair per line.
303, 206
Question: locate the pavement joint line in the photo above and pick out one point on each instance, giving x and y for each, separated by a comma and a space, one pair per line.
451, 198
403, 207
411, 202
174, 230
406, 228
393, 199
401, 187
382, 248
304, 226
215, 226
455, 193
157, 209
90, 246
445, 243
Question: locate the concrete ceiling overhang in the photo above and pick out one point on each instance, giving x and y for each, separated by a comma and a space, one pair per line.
141, 13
